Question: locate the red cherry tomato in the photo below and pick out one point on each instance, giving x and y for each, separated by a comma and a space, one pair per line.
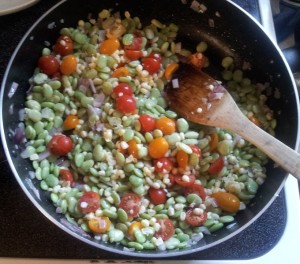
196, 150
151, 65
64, 45
131, 202
89, 202
157, 196
60, 145
133, 54
155, 55
194, 219
164, 165
147, 123
189, 182
136, 44
66, 176
166, 229
126, 104
216, 166
196, 189
48, 64
123, 89
172, 180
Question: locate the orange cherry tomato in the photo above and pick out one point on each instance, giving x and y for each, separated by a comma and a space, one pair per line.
214, 141
109, 46
68, 65
166, 125
182, 159
132, 148
132, 228
254, 120
158, 147
170, 69
120, 72
99, 224
197, 59
71, 122
227, 201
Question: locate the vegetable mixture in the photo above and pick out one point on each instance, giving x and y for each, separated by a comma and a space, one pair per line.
119, 163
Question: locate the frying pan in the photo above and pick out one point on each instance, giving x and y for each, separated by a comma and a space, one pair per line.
227, 29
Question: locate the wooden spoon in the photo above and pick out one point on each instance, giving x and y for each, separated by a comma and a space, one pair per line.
201, 99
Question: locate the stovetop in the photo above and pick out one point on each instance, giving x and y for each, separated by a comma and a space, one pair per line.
26, 233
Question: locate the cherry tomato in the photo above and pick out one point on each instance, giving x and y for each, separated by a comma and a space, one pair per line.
71, 122
133, 54
99, 224
166, 229
155, 55
109, 46
132, 148
182, 159
151, 65
131, 202
166, 125
196, 189
68, 65
157, 196
255, 120
64, 45
60, 145
48, 64
123, 89
66, 176
194, 219
120, 72
187, 181
213, 142
170, 69
89, 202
136, 44
196, 150
147, 123
216, 166
227, 201
172, 180
158, 147
197, 59
133, 227
163, 165
126, 104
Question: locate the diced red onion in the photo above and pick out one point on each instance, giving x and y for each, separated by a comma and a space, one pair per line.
101, 35
98, 99
19, 135
92, 86
44, 155
11, 109
25, 154
215, 96
22, 114
12, 90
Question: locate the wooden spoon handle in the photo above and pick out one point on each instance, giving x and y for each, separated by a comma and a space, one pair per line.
280, 153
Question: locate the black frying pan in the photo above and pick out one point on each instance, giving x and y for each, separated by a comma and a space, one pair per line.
234, 34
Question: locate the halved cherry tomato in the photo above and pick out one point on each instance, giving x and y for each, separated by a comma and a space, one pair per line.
99, 224
89, 202
158, 147
227, 201
136, 44
197, 59
172, 180
66, 176
64, 45
60, 145
123, 89
166, 125
126, 104
214, 141
151, 65
48, 64
166, 230
71, 122
131, 202
194, 219
196, 189
182, 159
147, 123
163, 165
191, 178
132, 148
133, 54
216, 166
68, 65
120, 72
133, 227
109, 46
170, 69
196, 150
157, 196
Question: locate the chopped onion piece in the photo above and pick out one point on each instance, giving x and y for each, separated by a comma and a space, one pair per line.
12, 90
175, 83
